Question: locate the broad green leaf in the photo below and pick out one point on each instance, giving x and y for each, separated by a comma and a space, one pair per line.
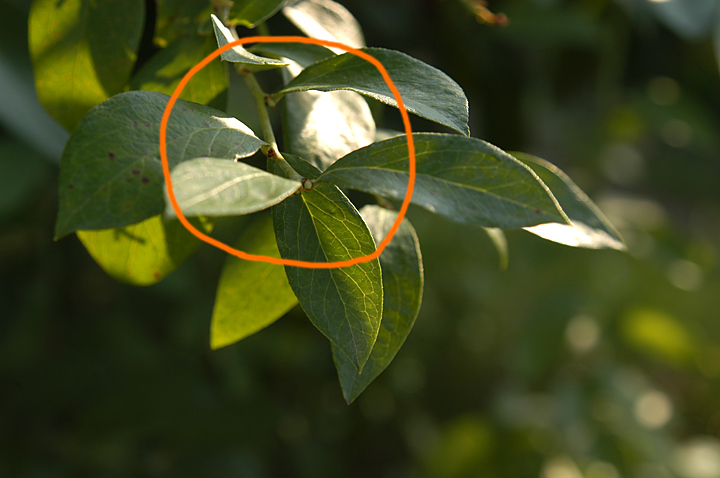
302, 53
163, 72
251, 295
402, 276
345, 304
110, 172
588, 225
250, 13
83, 52
323, 127
239, 54
464, 179
178, 18
143, 253
326, 20
426, 91
221, 187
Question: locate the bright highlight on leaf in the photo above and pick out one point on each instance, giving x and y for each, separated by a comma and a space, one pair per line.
326, 20
238, 54
588, 225
221, 187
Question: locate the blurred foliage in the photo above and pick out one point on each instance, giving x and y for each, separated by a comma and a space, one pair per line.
569, 364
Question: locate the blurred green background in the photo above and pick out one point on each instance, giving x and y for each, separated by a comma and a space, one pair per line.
569, 364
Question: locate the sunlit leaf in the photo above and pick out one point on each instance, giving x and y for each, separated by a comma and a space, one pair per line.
402, 276
588, 228
83, 52
111, 175
251, 295
238, 54
322, 127
346, 303
166, 68
252, 12
326, 20
461, 178
425, 91
143, 253
221, 187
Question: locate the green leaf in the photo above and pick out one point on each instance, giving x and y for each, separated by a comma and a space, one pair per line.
110, 171
251, 295
588, 225
426, 91
250, 13
163, 72
83, 52
178, 18
304, 54
220, 187
323, 127
464, 179
239, 54
143, 253
326, 20
345, 304
402, 276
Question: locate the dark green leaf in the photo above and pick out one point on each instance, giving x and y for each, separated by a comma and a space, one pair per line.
163, 72
251, 295
326, 20
301, 53
239, 54
252, 12
221, 187
143, 253
110, 172
345, 304
178, 18
426, 91
83, 52
588, 225
402, 276
464, 179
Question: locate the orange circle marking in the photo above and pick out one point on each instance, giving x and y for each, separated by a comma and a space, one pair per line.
268, 259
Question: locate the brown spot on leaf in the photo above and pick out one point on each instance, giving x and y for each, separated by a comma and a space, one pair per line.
71, 186
135, 171
111, 156
145, 180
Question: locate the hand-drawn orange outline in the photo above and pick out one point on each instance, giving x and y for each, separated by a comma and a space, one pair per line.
268, 259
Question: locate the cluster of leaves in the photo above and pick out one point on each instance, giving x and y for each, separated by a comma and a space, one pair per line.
112, 188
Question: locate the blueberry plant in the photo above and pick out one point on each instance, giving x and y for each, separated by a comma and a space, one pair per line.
112, 191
